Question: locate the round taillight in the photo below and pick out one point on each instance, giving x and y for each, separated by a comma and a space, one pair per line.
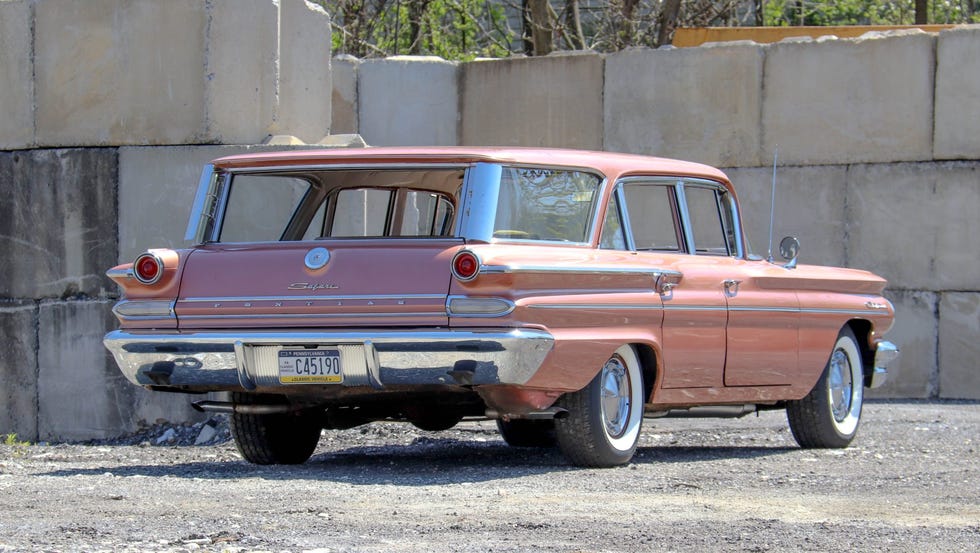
466, 265
148, 268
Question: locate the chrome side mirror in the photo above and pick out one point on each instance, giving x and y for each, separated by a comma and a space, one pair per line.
789, 249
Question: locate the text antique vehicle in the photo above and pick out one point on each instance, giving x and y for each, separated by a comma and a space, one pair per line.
566, 294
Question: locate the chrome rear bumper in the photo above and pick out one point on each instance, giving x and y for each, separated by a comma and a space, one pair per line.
212, 361
885, 353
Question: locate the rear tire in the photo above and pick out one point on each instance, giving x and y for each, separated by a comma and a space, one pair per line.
527, 433
603, 423
829, 416
274, 439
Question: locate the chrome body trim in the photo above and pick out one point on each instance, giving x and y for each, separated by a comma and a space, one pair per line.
343, 167
885, 353
593, 306
361, 297
212, 361
160, 268
508, 269
144, 310
265, 316
197, 223
120, 273
481, 188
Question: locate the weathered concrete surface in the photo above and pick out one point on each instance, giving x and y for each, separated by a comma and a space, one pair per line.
18, 369
408, 101
910, 222
57, 222
957, 130
959, 345
849, 101
81, 393
915, 374
16, 75
552, 101
343, 106
809, 205
120, 72
700, 104
304, 71
243, 42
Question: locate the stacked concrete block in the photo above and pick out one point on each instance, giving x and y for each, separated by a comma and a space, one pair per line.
959, 347
809, 206
915, 373
553, 101
82, 395
57, 222
343, 104
957, 127
909, 223
408, 101
866, 100
16, 75
701, 104
241, 70
18, 369
120, 72
304, 71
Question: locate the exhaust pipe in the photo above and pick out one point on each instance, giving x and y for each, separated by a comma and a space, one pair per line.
209, 406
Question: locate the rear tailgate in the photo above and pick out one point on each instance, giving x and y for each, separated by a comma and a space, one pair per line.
365, 283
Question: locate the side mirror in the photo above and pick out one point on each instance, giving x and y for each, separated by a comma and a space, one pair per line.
789, 249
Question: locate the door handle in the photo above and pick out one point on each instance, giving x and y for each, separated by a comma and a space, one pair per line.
731, 286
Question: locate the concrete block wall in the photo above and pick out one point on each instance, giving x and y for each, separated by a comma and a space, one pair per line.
143, 72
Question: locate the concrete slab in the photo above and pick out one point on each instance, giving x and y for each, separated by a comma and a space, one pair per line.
343, 106
57, 222
959, 347
915, 373
700, 104
957, 127
120, 72
408, 101
304, 71
82, 395
241, 97
809, 205
16, 75
551, 101
18, 369
849, 101
907, 222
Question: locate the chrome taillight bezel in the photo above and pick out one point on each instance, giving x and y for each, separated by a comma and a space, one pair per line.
156, 259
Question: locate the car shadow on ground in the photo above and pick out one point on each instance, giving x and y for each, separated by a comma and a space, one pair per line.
424, 462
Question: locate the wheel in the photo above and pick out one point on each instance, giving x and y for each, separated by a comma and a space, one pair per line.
274, 439
527, 433
603, 423
829, 415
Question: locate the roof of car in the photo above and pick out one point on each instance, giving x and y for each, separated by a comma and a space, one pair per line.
607, 163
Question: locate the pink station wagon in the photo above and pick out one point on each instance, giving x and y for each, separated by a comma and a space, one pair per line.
565, 294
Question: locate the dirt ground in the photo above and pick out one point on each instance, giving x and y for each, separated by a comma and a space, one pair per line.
910, 482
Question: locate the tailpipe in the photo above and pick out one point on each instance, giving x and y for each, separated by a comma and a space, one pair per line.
209, 406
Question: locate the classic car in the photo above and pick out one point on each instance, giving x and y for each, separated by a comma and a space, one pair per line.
566, 294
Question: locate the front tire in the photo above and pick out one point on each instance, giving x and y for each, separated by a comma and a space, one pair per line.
829, 416
274, 439
603, 423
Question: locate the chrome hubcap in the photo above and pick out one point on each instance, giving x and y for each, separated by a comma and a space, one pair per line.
840, 384
615, 399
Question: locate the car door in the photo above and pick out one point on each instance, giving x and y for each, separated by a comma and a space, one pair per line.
693, 332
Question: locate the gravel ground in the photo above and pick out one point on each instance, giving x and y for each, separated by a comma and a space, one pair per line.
910, 482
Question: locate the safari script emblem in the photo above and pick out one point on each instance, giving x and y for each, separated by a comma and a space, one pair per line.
317, 258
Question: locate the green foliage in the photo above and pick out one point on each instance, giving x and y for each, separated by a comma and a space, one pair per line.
11, 440
779, 13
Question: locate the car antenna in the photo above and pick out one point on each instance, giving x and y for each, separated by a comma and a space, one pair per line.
772, 204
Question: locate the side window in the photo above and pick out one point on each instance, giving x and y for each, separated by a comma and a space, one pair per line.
613, 233
652, 221
260, 207
361, 212
707, 224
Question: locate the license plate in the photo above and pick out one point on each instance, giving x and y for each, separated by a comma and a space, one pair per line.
310, 366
